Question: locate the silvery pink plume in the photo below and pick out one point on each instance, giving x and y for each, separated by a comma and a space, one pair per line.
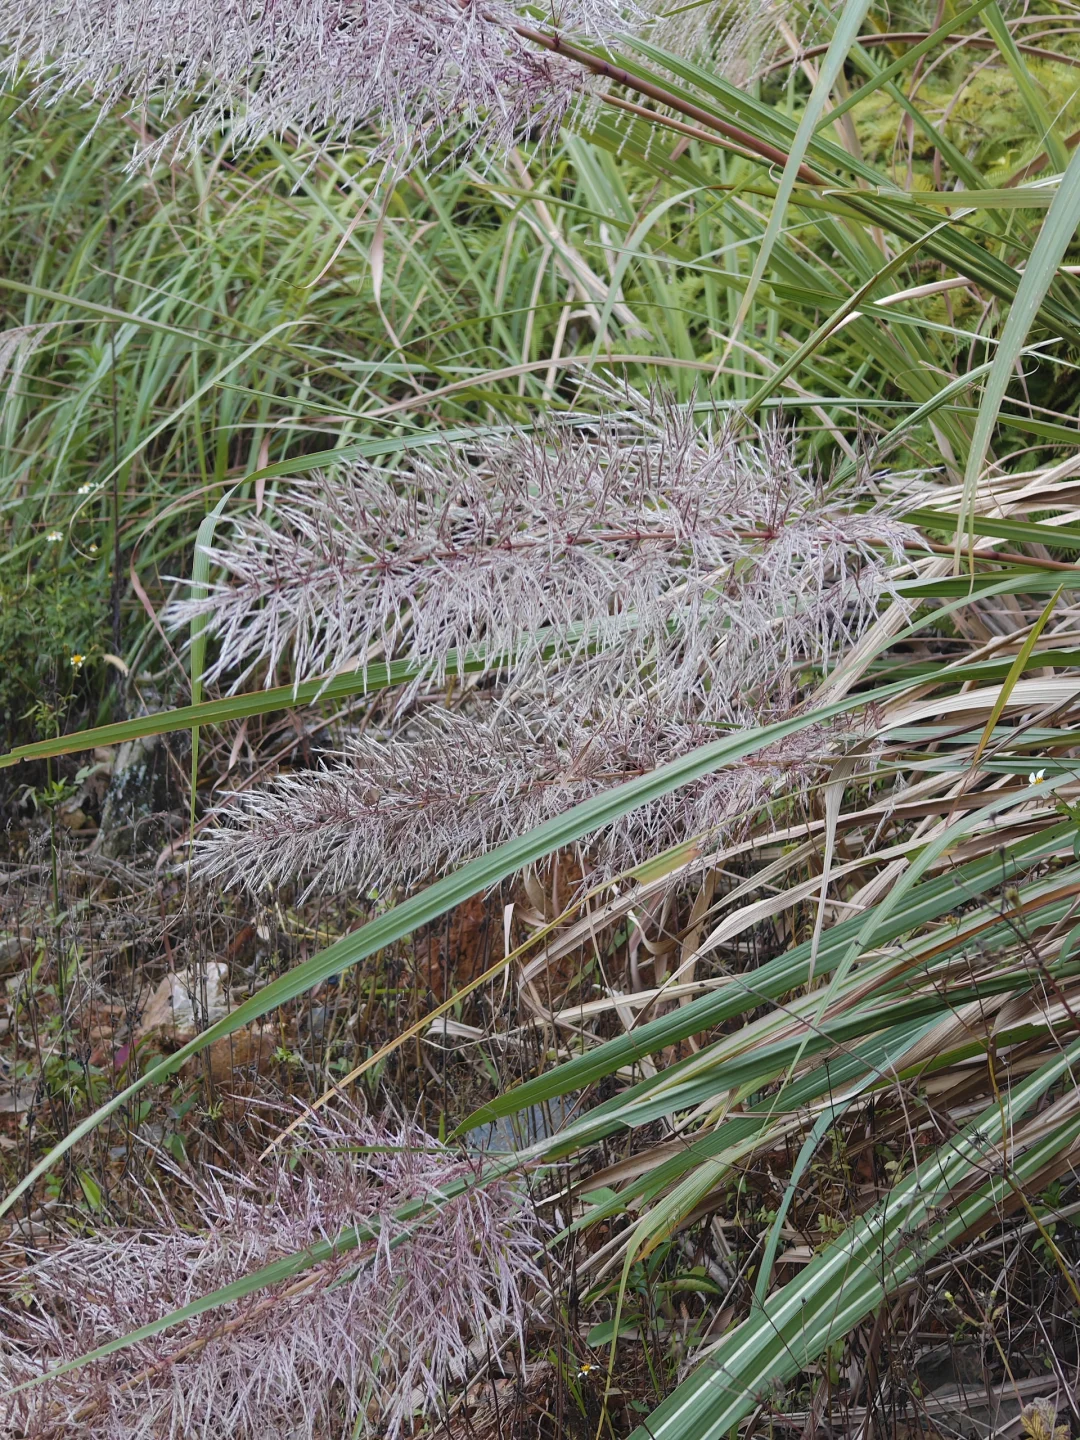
641, 579
357, 1344
416, 70
708, 571
396, 810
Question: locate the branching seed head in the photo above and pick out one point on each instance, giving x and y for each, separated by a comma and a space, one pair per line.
420, 70
370, 1332
418, 73
633, 583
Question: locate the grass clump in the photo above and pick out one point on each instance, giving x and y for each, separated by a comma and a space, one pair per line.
601, 505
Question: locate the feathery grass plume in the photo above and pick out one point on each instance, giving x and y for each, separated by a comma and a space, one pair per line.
694, 578
418, 70
396, 810
708, 570
367, 1338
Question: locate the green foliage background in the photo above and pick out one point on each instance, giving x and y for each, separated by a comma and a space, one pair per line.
221, 325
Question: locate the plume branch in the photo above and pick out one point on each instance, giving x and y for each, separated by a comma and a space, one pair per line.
368, 1335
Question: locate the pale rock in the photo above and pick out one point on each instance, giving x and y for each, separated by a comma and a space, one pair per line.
181, 1006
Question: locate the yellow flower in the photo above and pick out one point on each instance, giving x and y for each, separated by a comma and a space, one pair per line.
77, 661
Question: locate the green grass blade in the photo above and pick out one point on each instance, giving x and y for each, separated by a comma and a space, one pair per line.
775, 978
1033, 101
376, 677
870, 1261
913, 53
1054, 238
822, 333
850, 23
1016, 669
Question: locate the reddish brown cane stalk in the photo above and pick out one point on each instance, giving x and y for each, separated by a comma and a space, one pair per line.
759, 148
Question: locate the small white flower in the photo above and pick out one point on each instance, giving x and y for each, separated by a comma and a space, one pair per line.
92, 548
1036, 777
87, 488
77, 661
54, 537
